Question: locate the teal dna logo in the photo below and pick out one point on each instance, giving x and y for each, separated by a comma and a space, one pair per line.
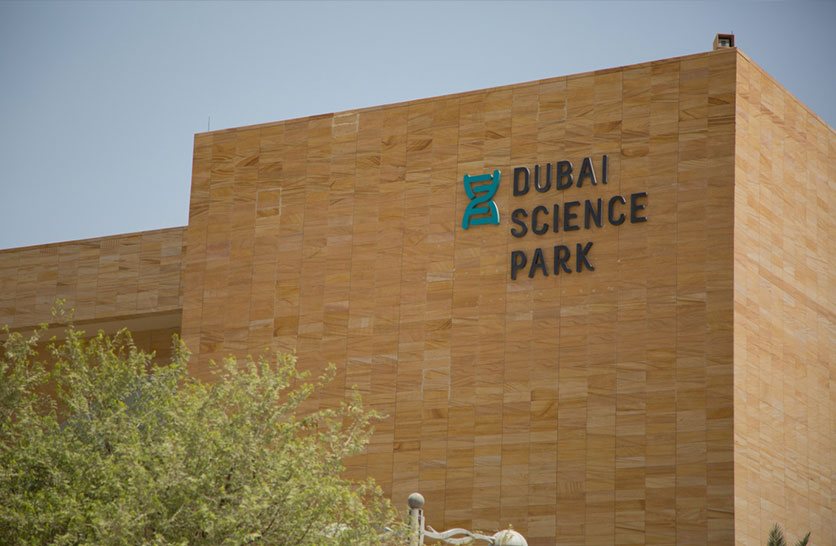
481, 189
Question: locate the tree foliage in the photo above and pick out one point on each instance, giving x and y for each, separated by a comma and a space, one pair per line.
776, 537
100, 445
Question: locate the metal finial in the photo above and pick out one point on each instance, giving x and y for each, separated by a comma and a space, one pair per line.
416, 500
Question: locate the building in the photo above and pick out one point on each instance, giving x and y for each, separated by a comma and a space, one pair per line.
654, 367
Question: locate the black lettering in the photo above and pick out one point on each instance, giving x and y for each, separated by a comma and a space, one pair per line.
548, 184
561, 259
563, 177
604, 169
556, 218
568, 216
580, 257
521, 190
518, 261
539, 230
538, 262
592, 214
616, 221
587, 172
635, 207
524, 230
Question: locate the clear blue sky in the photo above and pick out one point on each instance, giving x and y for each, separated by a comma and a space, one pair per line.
99, 101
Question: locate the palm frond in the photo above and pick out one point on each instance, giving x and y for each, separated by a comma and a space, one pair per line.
776, 536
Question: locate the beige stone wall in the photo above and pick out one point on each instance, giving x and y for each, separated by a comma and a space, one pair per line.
591, 407
784, 326
119, 277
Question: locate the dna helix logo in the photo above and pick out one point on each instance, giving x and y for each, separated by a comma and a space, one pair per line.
481, 189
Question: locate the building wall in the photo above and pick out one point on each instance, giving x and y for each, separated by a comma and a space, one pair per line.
105, 278
683, 392
784, 327
149, 339
592, 407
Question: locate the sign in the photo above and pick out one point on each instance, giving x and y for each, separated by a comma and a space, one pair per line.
554, 218
481, 190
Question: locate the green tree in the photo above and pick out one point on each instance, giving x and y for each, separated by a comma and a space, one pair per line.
100, 445
776, 537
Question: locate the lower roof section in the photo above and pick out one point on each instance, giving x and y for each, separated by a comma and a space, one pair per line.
129, 277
